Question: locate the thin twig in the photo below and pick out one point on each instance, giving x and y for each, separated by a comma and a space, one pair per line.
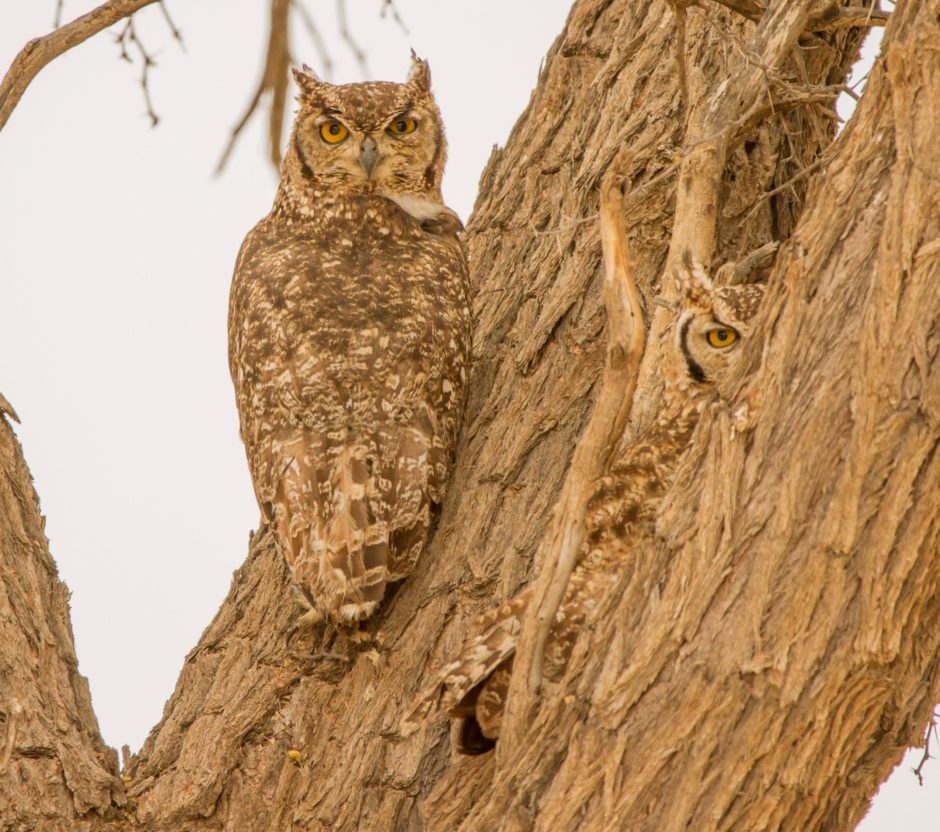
128, 34
347, 36
931, 729
57, 21
275, 77
816, 165
41, 51
389, 6
174, 31
325, 64
832, 17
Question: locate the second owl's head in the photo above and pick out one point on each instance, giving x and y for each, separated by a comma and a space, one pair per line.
373, 137
713, 322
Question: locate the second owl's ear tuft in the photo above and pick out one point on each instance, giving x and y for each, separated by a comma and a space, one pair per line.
693, 283
420, 74
311, 87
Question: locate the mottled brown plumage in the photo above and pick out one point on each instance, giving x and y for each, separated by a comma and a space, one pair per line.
621, 511
349, 334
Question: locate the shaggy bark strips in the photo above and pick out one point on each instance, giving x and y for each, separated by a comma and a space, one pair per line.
55, 772
775, 647
221, 753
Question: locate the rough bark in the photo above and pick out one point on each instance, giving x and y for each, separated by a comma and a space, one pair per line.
775, 647
55, 771
243, 702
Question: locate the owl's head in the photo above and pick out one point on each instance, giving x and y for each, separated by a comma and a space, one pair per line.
370, 138
713, 322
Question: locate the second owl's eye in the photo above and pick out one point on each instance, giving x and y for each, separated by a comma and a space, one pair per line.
723, 336
401, 126
333, 132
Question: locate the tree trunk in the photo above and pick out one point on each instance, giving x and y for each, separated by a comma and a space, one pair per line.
775, 647
54, 766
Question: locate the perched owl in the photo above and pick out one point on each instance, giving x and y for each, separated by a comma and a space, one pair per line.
710, 325
349, 337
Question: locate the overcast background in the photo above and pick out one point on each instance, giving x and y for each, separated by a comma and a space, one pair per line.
117, 249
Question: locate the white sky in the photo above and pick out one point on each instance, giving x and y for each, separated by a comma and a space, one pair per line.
118, 246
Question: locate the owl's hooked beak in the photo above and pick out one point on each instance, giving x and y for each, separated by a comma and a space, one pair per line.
369, 157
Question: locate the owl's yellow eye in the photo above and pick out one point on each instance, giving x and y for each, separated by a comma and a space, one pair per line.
723, 336
333, 132
401, 126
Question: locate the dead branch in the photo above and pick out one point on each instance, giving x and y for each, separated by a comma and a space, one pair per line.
275, 77
41, 51
325, 63
714, 121
174, 31
831, 17
346, 35
389, 6
625, 334
128, 37
931, 729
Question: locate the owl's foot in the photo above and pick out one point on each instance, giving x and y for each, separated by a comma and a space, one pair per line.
311, 617
350, 614
358, 636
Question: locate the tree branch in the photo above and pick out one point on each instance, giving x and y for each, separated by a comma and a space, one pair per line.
832, 17
275, 77
625, 334
41, 51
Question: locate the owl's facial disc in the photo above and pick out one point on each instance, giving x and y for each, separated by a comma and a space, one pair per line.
707, 344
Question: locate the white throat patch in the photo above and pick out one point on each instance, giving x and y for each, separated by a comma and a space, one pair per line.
420, 209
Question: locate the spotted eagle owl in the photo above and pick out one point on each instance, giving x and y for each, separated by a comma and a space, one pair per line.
710, 325
349, 337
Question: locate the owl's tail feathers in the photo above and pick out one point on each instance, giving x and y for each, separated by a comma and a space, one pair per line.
475, 684
356, 544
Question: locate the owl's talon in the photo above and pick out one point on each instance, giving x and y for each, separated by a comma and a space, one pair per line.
358, 636
310, 620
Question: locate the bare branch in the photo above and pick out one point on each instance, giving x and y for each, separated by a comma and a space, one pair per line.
41, 51
347, 36
174, 31
389, 6
625, 336
745, 8
831, 17
837, 17
713, 122
931, 729
128, 35
325, 64
57, 21
275, 77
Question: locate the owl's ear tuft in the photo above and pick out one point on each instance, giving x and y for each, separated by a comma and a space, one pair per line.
419, 76
310, 85
692, 281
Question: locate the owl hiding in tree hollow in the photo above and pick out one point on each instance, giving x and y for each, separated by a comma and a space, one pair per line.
711, 324
349, 337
